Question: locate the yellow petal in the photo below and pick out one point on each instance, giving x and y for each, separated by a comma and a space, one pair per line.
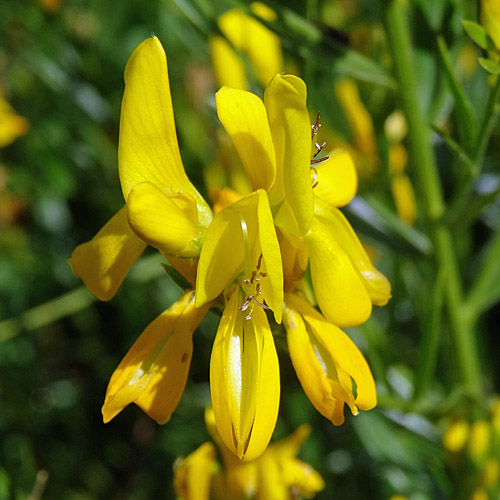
261, 45
404, 197
333, 221
222, 198
12, 125
325, 360
243, 115
192, 475
341, 349
490, 18
263, 11
240, 478
228, 68
303, 478
398, 158
148, 149
337, 180
154, 372
294, 256
237, 237
166, 222
104, 261
358, 117
339, 289
325, 392
455, 437
285, 101
271, 480
244, 380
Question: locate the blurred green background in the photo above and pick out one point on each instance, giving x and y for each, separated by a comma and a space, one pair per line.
61, 67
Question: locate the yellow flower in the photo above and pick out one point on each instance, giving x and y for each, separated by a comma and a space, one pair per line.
276, 474
326, 361
359, 120
456, 436
238, 246
162, 209
490, 18
245, 34
242, 255
11, 124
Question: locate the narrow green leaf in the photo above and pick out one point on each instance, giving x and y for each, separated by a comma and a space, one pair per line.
462, 155
490, 66
374, 219
478, 35
466, 118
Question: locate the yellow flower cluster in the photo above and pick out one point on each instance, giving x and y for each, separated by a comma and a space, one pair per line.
473, 454
276, 474
250, 254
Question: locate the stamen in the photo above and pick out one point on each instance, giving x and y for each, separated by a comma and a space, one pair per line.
254, 278
261, 305
315, 161
319, 147
315, 127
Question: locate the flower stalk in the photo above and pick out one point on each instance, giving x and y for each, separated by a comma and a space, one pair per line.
419, 136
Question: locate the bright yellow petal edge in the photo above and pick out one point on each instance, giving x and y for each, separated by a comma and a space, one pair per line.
104, 261
154, 371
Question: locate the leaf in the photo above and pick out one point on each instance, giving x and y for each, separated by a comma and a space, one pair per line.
478, 35
466, 118
375, 220
490, 66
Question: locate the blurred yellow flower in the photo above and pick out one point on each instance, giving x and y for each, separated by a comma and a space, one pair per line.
490, 18
247, 35
455, 437
277, 474
12, 125
357, 115
193, 474
479, 439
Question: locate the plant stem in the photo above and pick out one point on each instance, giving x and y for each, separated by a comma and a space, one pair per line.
426, 171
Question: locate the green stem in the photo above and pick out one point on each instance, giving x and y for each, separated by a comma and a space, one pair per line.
429, 345
426, 170
148, 268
